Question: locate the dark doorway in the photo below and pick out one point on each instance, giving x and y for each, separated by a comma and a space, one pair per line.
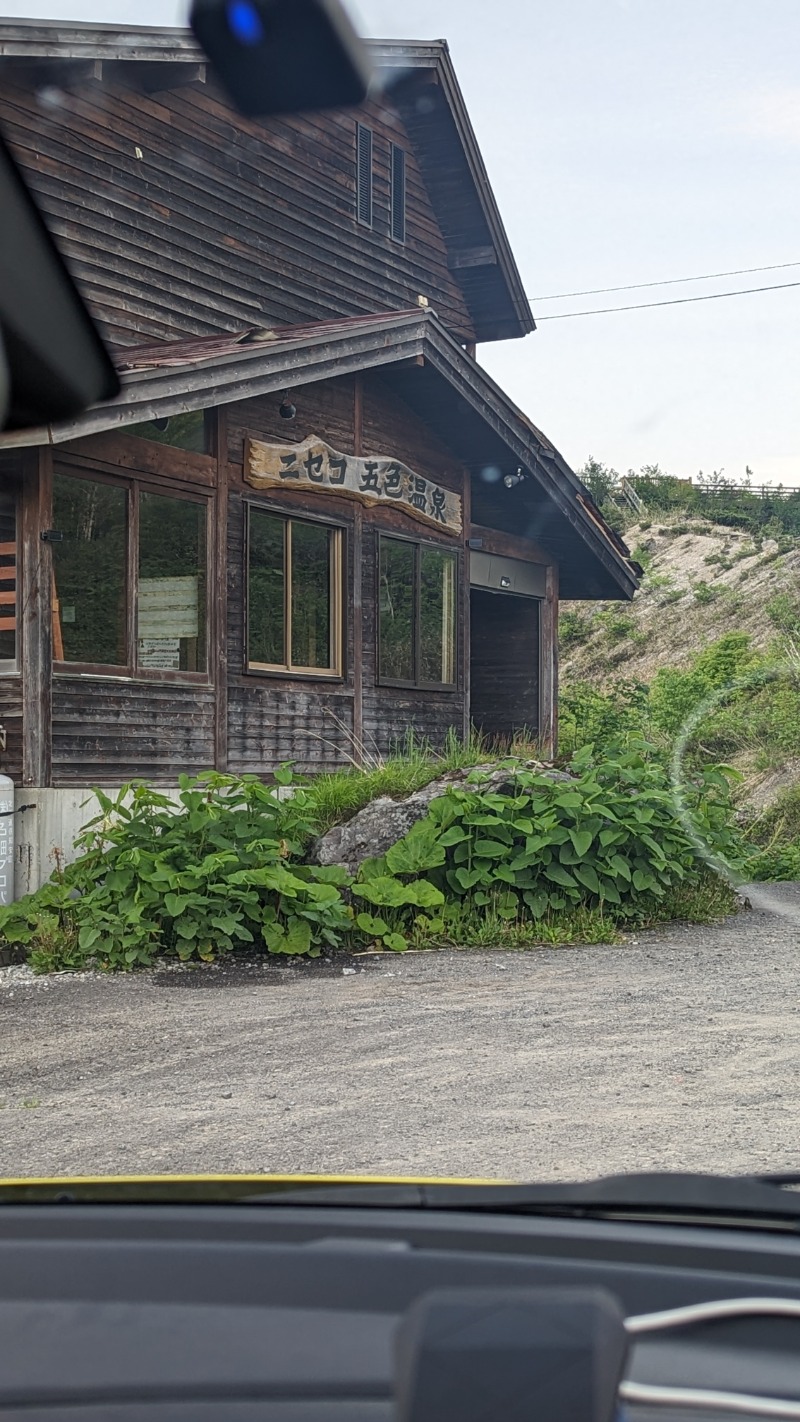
504, 672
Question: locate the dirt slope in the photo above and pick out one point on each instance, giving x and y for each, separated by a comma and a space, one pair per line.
702, 580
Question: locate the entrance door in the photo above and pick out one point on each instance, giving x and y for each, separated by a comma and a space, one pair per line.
504, 664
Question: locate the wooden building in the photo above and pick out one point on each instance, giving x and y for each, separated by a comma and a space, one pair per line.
312, 521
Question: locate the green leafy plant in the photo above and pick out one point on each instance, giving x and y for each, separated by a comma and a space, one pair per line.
545, 858
192, 880
609, 840
676, 693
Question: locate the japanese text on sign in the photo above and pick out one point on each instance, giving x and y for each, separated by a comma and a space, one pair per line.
313, 464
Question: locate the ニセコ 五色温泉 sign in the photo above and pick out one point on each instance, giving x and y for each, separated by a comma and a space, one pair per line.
372, 480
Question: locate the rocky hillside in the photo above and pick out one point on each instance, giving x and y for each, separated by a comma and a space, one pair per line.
701, 580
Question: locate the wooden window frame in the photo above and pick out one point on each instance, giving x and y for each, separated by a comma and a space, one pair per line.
337, 576
11, 666
397, 216
365, 134
133, 484
419, 544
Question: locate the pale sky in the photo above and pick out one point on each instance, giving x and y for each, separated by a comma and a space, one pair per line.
627, 141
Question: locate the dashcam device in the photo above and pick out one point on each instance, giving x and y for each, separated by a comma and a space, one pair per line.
523, 1355
283, 56
53, 363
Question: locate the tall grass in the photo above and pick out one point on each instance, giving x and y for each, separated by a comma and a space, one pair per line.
338, 795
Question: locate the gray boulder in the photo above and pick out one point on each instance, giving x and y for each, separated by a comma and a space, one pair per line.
383, 822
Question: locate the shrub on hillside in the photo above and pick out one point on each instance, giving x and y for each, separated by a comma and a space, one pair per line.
783, 611
573, 629
588, 716
675, 694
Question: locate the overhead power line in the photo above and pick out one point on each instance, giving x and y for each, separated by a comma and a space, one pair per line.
671, 281
674, 301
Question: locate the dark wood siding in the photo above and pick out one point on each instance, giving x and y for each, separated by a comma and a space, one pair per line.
269, 723
272, 719
11, 686
107, 732
325, 408
504, 664
178, 217
392, 427
11, 719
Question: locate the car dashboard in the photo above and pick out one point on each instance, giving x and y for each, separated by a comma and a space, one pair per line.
254, 1313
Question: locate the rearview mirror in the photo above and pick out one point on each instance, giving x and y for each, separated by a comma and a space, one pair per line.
283, 56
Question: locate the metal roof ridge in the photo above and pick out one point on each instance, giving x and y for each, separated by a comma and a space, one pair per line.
182, 34
249, 341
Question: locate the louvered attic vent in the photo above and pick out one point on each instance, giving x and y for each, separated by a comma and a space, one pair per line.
398, 193
364, 175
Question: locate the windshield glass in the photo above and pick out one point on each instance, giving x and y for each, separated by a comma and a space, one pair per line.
400, 678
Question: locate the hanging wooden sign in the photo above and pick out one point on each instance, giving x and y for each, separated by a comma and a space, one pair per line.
314, 465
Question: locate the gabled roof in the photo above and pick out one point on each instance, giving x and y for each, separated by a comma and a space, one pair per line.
444, 386
420, 82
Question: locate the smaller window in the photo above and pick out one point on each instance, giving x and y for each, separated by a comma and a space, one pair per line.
8, 582
364, 176
294, 596
171, 606
417, 618
398, 194
189, 431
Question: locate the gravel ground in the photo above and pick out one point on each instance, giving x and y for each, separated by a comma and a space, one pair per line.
680, 1049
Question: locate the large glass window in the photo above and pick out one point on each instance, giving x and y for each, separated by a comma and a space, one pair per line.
9, 592
294, 595
90, 595
98, 576
417, 614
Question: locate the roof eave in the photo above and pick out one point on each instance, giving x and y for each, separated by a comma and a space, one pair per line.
435, 54
410, 336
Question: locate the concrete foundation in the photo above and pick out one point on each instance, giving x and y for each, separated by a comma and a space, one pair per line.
47, 823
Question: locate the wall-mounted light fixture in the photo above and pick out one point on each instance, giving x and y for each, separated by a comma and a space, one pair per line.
512, 480
505, 582
287, 410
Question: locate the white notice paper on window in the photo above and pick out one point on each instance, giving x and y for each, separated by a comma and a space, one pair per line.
160, 653
168, 612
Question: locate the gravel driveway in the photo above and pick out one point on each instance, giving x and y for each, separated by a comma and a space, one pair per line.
680, 1049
